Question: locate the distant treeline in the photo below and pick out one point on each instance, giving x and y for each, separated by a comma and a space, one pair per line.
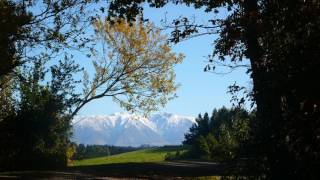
91, 151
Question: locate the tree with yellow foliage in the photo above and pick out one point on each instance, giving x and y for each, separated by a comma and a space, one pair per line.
135, 66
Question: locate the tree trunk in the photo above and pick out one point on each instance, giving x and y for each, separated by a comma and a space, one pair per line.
267, 96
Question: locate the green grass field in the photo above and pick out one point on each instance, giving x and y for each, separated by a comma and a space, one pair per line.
145, 155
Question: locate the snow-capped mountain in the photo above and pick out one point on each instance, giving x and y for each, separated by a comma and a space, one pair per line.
125, 129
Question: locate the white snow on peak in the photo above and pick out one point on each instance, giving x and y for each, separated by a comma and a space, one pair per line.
125, 129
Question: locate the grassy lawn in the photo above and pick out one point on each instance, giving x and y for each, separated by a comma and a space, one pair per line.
145, 155
148, 163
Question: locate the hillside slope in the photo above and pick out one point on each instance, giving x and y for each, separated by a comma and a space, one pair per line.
145, 155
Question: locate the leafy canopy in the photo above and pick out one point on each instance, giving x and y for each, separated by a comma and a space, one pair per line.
135, 68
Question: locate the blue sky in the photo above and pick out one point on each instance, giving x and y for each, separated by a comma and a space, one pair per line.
199, 91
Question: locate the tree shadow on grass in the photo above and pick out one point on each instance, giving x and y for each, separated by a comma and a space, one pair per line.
149, 170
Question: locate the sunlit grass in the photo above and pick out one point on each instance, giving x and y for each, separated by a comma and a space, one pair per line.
145, 155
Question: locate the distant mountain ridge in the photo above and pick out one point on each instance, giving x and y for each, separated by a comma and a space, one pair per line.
125, 129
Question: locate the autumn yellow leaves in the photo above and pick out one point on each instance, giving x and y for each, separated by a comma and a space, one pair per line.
134, 66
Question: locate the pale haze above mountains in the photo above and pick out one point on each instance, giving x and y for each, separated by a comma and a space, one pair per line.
125, 129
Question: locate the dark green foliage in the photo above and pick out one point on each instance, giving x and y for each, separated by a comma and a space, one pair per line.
92, 151
35, 133
13, 18
195, 131
219, 117
204, 124
34, 123
221, 137
34, 117
181, 154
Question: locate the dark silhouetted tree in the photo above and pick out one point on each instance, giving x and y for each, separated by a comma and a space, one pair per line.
36, 133
280, 38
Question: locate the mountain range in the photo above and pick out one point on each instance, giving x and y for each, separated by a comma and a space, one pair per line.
125, 129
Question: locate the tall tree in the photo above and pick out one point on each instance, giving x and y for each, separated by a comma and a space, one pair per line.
279, 38
204, 124
135, 67
193, 132
35, 134
196, 130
